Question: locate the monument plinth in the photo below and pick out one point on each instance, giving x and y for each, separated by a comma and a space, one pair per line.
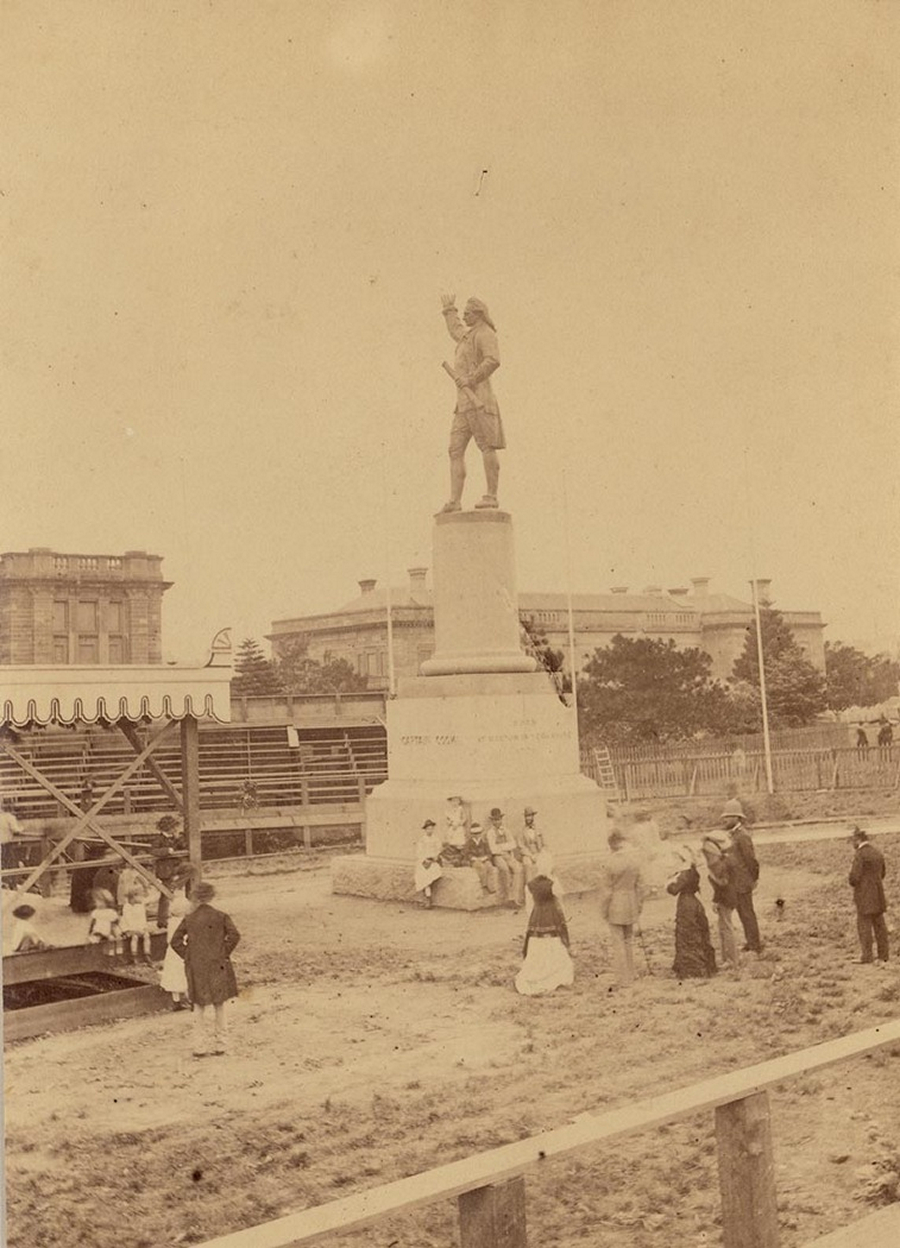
480, 722
476, 614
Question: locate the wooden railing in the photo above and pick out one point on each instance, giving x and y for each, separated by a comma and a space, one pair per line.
675, 773
490, 1186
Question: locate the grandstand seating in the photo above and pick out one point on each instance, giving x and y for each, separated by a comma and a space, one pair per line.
328, 765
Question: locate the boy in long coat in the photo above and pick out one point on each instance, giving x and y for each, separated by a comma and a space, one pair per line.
205, 938
866, 876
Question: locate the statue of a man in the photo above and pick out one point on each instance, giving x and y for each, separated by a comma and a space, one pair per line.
477, 414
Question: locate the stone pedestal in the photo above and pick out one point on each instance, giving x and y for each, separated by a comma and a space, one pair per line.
479, 723
476, 612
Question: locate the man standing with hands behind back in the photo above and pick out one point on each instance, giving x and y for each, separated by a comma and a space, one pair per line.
866, 876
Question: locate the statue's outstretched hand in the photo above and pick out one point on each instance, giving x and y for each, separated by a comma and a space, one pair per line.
447, 302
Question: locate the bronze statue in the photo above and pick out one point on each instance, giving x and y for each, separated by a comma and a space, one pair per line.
477, 414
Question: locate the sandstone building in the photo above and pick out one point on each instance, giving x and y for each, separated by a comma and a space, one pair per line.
80, 609
716, 623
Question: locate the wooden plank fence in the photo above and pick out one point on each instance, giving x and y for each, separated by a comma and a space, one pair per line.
673, 774
490, 1186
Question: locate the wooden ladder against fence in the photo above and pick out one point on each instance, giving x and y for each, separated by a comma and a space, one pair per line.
490, 1186
606, 773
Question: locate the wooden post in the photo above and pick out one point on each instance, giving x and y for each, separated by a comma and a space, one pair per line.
248, 840
493, 1217
190, 788
361, 790
747, 1173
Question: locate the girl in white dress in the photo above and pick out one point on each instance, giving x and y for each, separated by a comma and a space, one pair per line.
172, 977
547, 964
428, 868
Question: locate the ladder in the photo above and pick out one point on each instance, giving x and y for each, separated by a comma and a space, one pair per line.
605, 773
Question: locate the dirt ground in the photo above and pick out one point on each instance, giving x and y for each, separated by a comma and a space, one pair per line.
372, 1041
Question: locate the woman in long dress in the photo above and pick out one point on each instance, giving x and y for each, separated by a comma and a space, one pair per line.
547, 964
172, 977
428, 868
695, 957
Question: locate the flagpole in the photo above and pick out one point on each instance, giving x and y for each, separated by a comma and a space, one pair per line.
767, 745
572, 669
387, 576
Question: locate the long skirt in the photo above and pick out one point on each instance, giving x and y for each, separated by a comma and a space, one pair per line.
423, 876
547, 966
172, 977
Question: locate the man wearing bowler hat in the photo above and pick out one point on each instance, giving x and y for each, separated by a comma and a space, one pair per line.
866, 880
504, 855
744, 873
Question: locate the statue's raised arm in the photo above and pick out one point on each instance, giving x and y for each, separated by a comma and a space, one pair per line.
477, 413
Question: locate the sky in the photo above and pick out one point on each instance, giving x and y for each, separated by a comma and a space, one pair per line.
228, 225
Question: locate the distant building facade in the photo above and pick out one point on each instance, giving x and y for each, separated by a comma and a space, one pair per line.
715, 623
80, 609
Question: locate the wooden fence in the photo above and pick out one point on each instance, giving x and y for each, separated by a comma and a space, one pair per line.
669, 774
490, 1187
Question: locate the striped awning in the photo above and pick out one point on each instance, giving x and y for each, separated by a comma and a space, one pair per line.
68, 694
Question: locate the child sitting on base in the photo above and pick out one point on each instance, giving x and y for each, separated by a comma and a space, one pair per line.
134, 922
24, 937
104, 925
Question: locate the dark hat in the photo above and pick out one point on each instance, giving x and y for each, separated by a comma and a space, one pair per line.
474, 827
858, 835
530, 810
204, 892
429, 823
24, 911
496, 813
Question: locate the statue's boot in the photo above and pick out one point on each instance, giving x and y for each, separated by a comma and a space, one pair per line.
453, 506
487, 500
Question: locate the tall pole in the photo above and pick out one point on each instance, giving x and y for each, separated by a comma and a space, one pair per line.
572, 668
387, 575
767, 745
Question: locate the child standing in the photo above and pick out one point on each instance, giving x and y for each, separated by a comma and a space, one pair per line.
104, 923
205, 938
134, 922
547, 964
172, 978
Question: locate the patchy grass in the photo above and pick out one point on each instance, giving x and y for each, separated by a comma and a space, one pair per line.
372, 1048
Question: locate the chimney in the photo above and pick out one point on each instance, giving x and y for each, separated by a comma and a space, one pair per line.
619, 589
366, 586
416, 581
763, 591
701, 586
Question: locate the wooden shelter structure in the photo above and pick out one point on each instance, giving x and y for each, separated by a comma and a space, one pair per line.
149, 705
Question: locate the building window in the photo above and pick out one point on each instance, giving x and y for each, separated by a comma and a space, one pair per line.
117, 650
60, 617
88, 649
87, 617
115, 618
61, 649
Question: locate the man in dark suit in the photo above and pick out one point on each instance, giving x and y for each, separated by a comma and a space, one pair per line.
866, 876
745, 874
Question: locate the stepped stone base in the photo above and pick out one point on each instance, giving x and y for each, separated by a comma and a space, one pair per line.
386, 879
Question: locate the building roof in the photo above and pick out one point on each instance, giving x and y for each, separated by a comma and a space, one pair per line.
67, 694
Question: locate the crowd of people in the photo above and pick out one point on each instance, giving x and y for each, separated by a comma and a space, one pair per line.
640, 865
196, 969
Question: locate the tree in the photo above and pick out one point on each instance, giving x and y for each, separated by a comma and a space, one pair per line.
646, 689
795, 688
857, 679
255, 674
300, 674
